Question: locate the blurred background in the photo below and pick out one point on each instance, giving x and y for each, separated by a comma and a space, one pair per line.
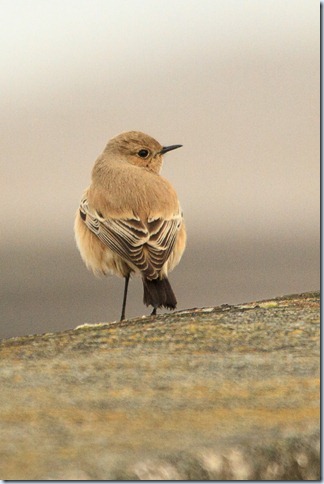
235, 81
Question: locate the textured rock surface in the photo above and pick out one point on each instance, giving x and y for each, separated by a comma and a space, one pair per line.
218, 393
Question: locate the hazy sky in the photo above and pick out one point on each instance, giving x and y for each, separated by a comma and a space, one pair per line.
236, 82
55, 44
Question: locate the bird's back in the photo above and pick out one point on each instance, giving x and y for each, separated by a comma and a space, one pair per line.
127, 190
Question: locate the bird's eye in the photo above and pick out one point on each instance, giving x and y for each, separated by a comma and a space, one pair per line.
143, 153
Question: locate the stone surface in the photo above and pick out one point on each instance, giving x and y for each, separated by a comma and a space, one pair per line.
229, 392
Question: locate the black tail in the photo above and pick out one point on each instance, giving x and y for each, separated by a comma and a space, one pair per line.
158, 293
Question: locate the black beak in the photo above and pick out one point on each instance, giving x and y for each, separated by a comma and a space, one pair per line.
169, 148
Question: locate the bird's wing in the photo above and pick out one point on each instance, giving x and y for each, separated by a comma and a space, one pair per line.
146, 246
163, 234
125, 237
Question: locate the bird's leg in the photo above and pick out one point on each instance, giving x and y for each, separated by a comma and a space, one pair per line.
153, 313
122, 317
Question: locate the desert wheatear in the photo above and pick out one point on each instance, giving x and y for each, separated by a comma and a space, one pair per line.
129, 220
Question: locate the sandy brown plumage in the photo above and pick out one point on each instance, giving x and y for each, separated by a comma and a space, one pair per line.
130, 220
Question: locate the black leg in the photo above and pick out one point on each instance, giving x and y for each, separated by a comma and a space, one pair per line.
122, 317
153, 313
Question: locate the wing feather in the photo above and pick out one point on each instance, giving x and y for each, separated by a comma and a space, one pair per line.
147, 246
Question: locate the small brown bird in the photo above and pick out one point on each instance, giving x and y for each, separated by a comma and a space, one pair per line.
130, 221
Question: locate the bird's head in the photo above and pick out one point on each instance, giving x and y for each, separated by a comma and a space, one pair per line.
138, 149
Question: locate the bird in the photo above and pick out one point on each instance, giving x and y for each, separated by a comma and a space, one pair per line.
129, 221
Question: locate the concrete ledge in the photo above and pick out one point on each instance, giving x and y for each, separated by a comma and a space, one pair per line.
230, 392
